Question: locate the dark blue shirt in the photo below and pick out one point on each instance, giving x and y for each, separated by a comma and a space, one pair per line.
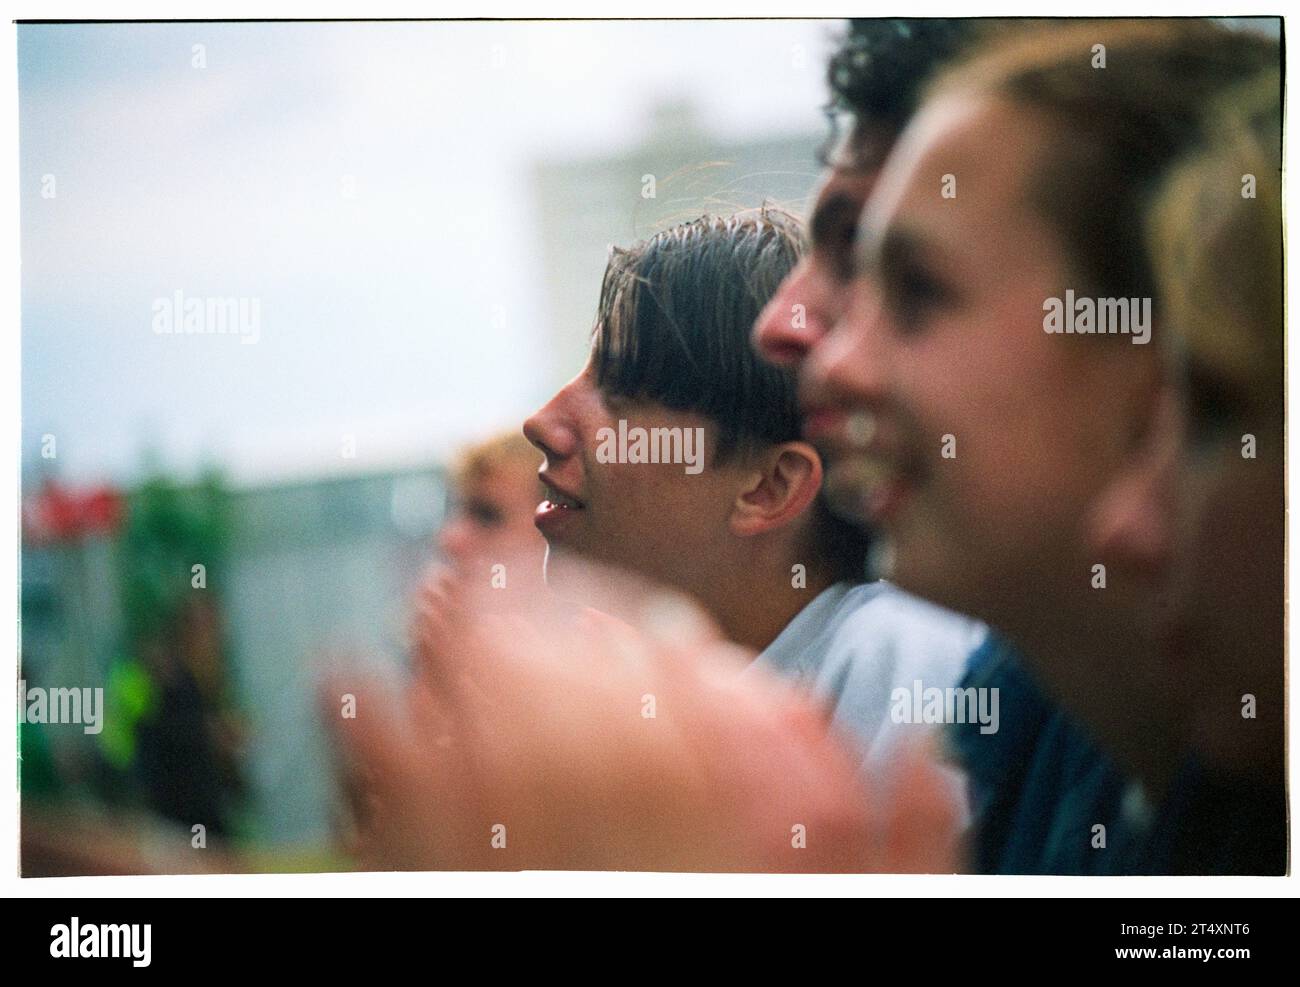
1039, 786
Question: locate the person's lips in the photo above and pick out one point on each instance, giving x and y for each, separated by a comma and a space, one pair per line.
867, 478
867, 489
838, 427
557, 510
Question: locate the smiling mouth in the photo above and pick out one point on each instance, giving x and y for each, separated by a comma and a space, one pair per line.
868, 476
555, 510
558, 499
867, 489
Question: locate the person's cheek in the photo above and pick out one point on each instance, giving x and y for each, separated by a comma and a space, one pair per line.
455, 539
1133, 523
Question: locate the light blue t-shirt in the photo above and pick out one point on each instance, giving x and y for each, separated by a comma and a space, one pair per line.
853, 645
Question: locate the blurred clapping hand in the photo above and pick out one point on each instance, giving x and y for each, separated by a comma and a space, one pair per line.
554, 738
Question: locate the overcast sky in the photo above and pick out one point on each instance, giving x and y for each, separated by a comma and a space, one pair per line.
229, 180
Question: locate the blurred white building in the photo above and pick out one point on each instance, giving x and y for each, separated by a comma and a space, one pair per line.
677, 173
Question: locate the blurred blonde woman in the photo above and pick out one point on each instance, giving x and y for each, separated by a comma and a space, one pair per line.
1203, 508
489, 546
495, 493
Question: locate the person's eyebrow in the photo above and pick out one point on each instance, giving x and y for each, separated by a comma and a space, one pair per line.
898, 248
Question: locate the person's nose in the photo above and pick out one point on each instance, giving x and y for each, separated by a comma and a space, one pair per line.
1133, 523
850, 363
795, 318
551, 428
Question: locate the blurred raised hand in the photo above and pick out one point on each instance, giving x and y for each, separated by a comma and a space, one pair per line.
565, 738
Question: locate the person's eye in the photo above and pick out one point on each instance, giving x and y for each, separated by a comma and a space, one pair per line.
837, 230
913, 294
834, 235
1213, 410
484, 514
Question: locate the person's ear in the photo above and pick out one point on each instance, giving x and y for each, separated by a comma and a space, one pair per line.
783, 485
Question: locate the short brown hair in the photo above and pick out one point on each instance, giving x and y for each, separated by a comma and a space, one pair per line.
674, 327
1121, 126
675, 316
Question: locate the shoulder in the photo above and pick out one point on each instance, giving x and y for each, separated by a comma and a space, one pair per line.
880, 637
879, 616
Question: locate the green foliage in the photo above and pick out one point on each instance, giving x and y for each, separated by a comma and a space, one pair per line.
168, 529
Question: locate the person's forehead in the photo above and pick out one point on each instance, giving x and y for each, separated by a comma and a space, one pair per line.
962, 158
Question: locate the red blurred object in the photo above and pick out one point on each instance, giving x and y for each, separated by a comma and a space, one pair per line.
57, 513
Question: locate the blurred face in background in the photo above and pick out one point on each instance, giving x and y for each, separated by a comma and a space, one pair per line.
1223, 631
1229, 585
1203, 508
1195, 516
814, 296
491, 518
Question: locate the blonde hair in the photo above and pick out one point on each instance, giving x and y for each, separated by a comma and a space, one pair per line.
1217, 252
505, 451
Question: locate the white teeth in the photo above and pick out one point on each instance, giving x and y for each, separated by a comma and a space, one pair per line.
860, 428
851, 481
560, 500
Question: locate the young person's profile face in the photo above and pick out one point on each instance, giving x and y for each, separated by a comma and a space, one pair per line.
973, 437
667, 521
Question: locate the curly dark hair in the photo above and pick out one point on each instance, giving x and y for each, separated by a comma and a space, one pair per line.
882, 64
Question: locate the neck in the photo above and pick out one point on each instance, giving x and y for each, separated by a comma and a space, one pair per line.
752, 616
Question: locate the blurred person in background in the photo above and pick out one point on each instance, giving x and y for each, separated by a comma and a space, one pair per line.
494, 493
189, 742
171, 794
490, 553
1202, 508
